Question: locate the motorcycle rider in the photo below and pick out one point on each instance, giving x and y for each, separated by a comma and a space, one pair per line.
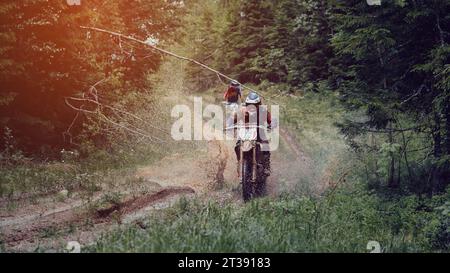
232, 97
253, 106
233, 93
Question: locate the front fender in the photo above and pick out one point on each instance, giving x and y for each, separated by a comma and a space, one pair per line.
247, 146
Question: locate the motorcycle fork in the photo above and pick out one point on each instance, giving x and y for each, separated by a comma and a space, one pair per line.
254, 166
240, 163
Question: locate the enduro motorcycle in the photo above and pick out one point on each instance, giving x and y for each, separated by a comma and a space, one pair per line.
251, 166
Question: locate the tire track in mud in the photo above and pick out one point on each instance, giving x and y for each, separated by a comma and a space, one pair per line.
295, 147
296, 167
15, 233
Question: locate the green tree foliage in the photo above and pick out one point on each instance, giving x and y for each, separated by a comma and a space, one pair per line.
246, 40
46, 56
203, 38
302, 32
279, 41
392, 62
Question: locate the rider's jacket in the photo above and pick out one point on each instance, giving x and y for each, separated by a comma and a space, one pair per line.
260, 114
232, 94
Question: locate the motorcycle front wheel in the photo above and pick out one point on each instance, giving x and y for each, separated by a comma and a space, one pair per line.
246, 179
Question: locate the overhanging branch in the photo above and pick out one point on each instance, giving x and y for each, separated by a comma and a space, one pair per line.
120, 35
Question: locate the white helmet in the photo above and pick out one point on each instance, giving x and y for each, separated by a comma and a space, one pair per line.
235, 83
253, 98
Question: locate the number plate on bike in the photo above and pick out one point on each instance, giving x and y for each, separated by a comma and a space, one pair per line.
248, 134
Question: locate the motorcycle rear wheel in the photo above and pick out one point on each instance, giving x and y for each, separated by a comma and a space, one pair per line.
246, 179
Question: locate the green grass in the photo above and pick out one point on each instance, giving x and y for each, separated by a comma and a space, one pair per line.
342, 222
311, 117
33, 178
73, 172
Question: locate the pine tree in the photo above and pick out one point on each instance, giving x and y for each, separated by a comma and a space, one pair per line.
247, 40
390, 61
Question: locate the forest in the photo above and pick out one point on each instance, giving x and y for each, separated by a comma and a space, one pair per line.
364, 93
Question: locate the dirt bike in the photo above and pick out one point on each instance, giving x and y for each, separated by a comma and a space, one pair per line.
251, 166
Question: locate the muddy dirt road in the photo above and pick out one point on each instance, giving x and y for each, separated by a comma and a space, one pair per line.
49, 222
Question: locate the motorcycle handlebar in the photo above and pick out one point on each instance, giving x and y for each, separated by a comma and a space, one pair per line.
246, 127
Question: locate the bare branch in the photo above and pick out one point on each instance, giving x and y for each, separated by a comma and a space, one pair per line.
165, 52
151, 138
419, 90
114, 109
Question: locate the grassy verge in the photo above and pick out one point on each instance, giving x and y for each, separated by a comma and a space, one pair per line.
341, 222
311, 118
32, 178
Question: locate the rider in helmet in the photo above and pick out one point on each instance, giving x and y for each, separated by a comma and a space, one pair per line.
253, 99
253, 106
233, 93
